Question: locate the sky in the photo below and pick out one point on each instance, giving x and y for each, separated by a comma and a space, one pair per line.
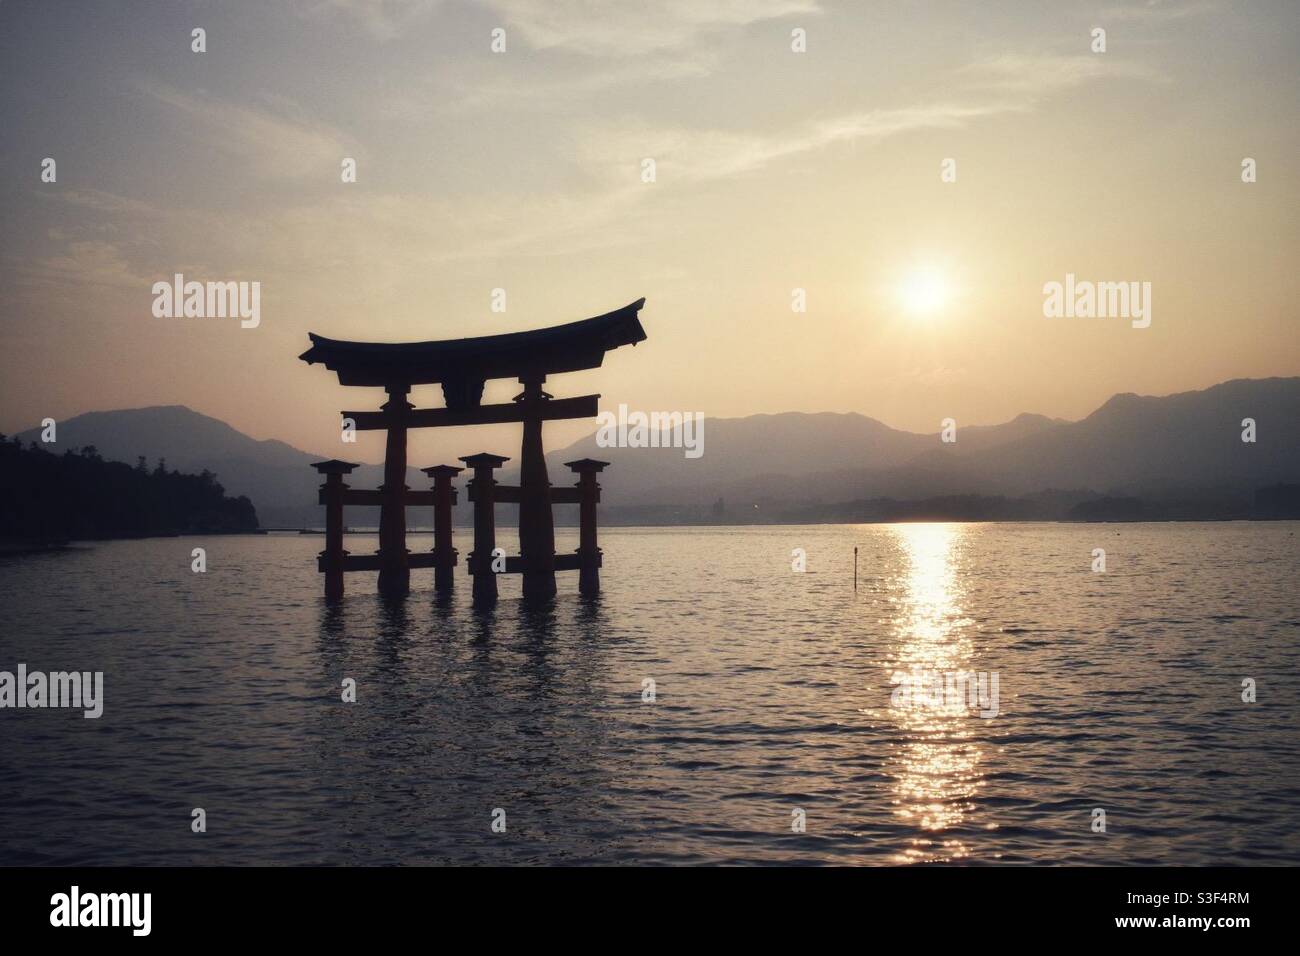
524, 170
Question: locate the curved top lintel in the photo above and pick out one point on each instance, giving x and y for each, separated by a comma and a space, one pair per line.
570, 347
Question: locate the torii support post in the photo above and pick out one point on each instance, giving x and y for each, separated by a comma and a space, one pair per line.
536, 523
395, 569
332, 493
444, 496
588, 495
485, 528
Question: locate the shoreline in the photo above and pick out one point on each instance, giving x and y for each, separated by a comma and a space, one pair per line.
12, 548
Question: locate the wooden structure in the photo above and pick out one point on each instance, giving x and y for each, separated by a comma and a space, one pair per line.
462, 367
588, 497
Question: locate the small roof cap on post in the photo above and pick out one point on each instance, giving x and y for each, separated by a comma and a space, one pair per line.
334, 466
584, 465
435, 471
484, 460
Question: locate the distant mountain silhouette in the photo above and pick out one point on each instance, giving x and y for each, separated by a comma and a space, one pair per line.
1143, 444
771, 456
1131, 446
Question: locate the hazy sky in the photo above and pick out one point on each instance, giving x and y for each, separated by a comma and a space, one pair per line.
522, 170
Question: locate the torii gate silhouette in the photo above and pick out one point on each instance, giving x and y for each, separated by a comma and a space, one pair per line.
462, 367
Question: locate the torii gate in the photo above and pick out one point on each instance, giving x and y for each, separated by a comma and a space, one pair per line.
462, 366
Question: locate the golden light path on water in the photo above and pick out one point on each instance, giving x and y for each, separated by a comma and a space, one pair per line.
937, 766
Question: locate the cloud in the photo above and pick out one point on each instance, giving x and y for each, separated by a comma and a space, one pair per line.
390, 236
1031, 78
395, 234
383, 19
1155, 11
268, 143
696, 156
94, 262
102, 202
636, 27
607, 28
466, 90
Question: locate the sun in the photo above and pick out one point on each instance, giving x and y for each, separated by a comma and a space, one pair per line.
923, 291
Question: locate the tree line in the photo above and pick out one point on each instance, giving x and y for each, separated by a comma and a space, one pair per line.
51, 498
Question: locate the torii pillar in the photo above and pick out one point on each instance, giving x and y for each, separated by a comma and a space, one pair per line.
444, 496
536, 523
482, 491
588, 496
331, 496
394, 568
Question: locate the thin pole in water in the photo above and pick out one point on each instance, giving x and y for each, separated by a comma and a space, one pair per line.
855, 569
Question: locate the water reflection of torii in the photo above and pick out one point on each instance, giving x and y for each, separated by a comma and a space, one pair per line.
462, 366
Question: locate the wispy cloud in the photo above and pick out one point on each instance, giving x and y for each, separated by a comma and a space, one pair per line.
95, 262
97, 200
465, 91
383, 19
267, 141
635, 27
395, 234
1156, 11
1031, 77
1002, 85
606, 28
697, 156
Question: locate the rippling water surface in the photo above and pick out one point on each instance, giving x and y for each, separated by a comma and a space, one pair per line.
1120, 691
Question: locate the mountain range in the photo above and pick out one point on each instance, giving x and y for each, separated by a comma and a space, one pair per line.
791, 464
